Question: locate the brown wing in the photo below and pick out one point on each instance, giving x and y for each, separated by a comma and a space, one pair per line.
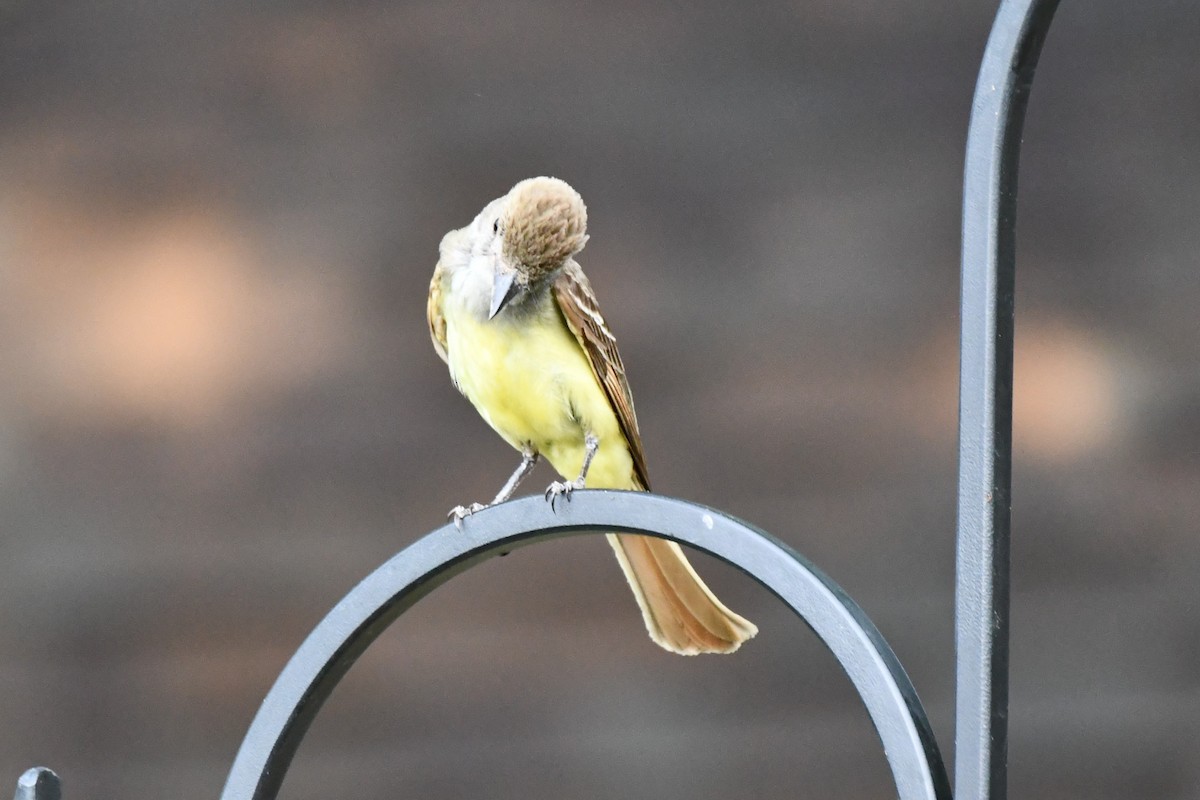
433, 312
578, 304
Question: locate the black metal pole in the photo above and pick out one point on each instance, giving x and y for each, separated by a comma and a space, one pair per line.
985, 397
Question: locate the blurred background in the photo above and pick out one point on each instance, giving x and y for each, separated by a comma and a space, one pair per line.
220, 407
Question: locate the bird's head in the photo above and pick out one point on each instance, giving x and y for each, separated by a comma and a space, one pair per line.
536, 227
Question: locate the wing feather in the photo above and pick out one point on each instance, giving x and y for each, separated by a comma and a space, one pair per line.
579, 308
433, 313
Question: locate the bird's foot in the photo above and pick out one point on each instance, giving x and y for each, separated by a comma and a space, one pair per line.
459, 513
562, 489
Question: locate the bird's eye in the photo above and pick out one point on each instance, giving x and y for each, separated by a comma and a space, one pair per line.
495, 226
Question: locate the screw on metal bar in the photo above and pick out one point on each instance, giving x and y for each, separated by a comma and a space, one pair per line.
38, 783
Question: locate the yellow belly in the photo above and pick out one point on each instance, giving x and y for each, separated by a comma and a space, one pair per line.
532, 383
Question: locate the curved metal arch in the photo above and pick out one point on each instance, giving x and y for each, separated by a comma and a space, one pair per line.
393, 588
985, 396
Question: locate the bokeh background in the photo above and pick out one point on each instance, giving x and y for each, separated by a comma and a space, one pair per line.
220, 408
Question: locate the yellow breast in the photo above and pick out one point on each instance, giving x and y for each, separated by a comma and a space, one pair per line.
531, 381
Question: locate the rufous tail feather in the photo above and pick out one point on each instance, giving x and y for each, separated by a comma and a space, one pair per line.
680, 612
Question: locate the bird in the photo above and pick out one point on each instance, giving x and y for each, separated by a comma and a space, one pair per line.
515, 318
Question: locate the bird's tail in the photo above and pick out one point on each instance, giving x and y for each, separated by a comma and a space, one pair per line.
681, 613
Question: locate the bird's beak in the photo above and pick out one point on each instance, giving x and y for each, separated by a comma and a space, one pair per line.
504, 288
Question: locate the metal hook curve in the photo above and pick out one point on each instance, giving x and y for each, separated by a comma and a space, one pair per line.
394, 587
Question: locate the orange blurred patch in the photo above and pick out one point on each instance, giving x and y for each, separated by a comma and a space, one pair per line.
1065, 392
165, 318
164, 334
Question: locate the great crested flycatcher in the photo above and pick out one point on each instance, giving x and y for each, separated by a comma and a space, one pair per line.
513, 315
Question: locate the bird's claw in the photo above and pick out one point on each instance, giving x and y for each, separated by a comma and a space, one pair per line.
459, 513
561, 489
